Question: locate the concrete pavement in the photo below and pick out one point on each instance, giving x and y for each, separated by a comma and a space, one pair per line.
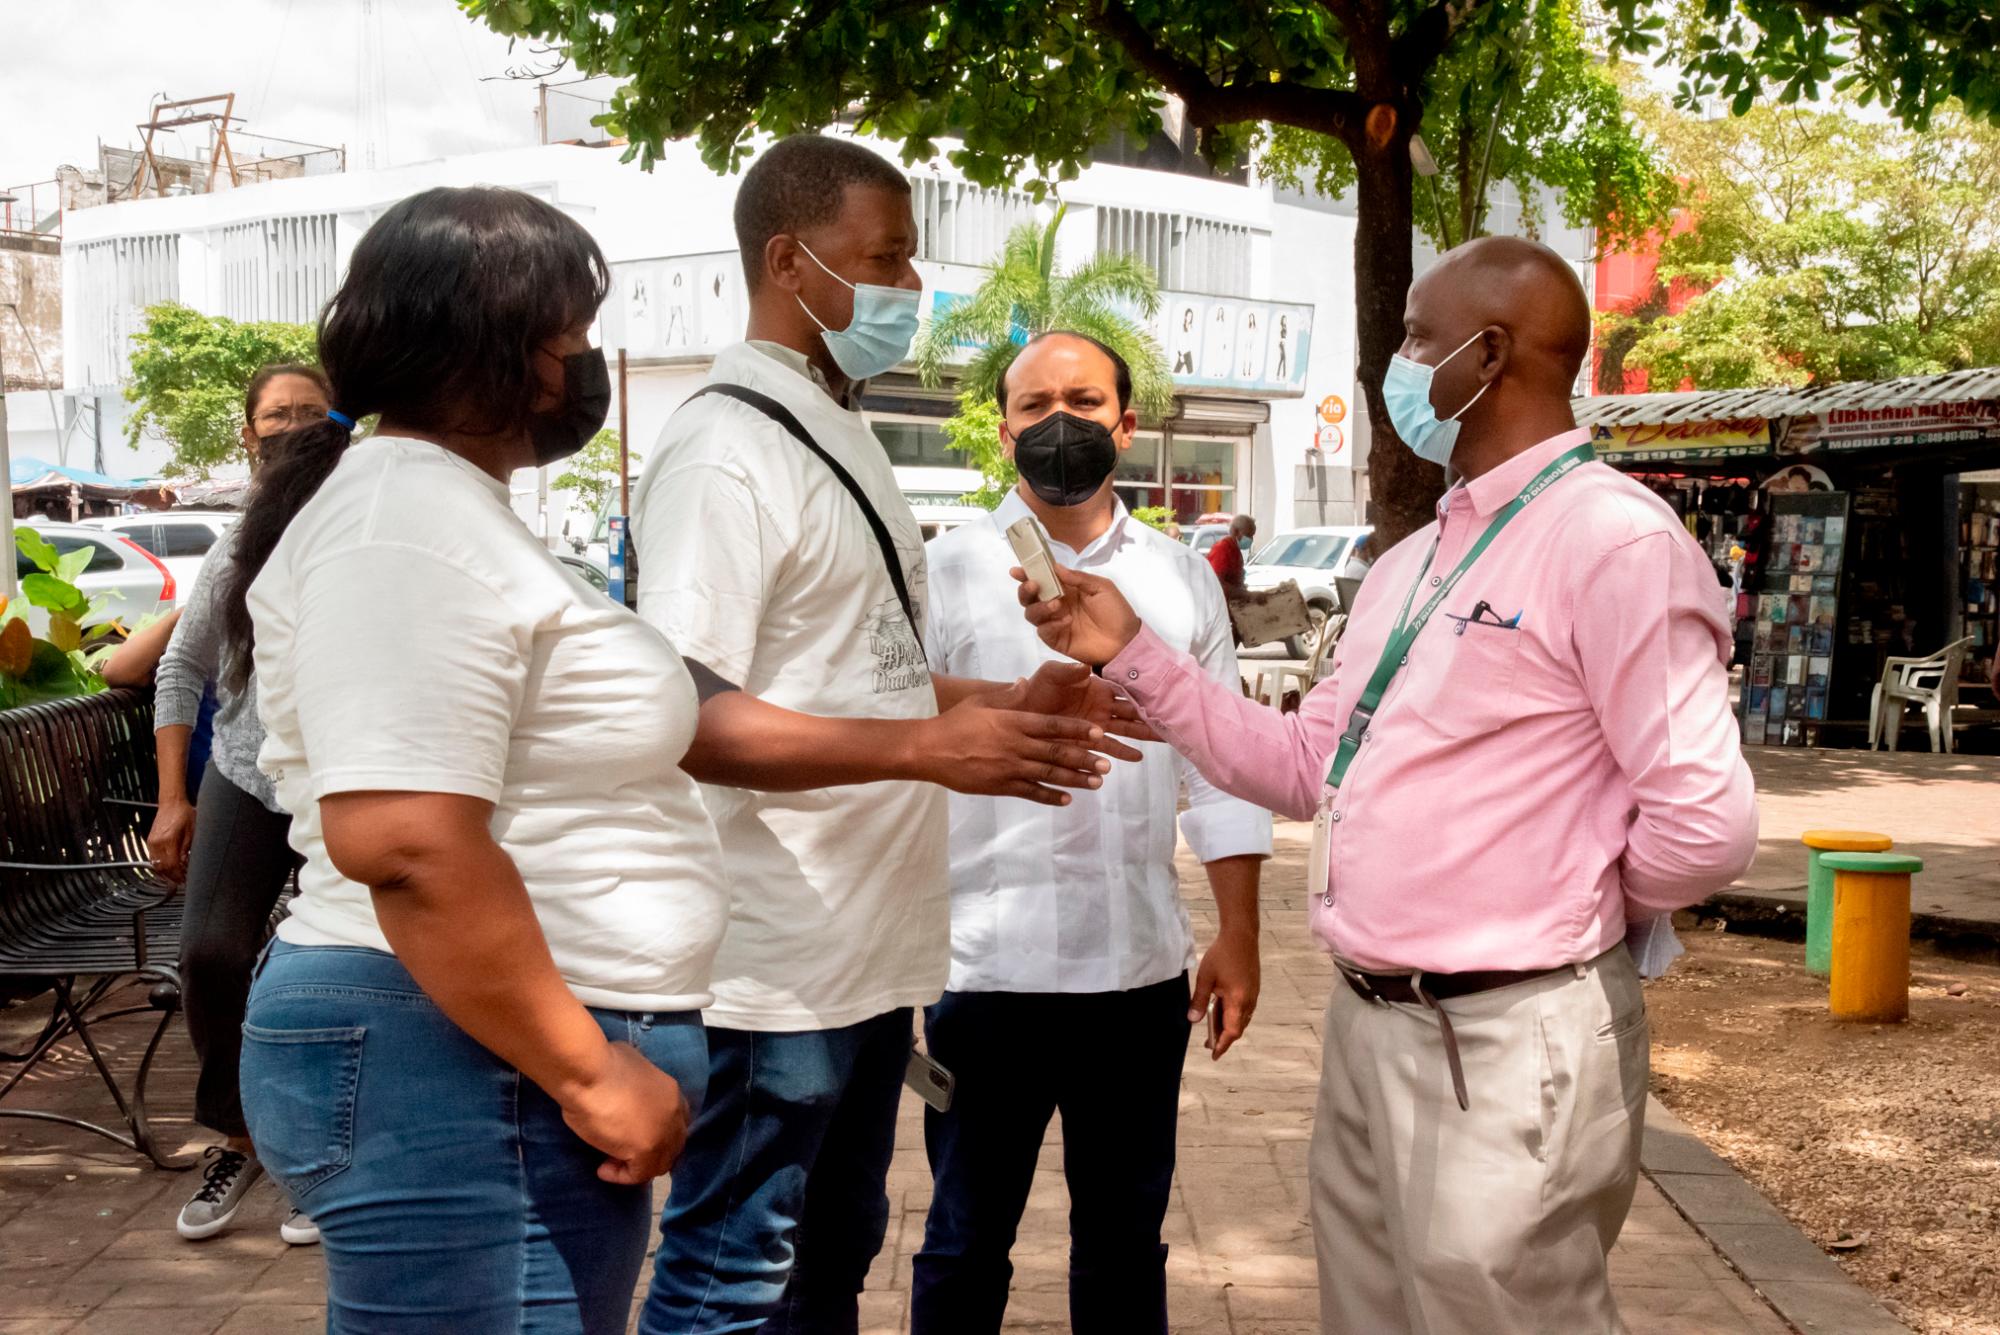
87, 1245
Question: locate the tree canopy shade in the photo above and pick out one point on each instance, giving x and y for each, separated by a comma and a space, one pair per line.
1031, 86
189, 372
1829, 247
1533, 105
1911, 56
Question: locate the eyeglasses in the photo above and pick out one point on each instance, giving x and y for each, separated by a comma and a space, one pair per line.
285, 419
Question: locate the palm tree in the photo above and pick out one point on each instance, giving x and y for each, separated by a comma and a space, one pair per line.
1022, 295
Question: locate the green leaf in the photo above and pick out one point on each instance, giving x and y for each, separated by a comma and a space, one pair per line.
37, 549
47, 591
72, 564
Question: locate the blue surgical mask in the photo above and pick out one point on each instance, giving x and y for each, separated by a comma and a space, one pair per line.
878, 337
1406, 393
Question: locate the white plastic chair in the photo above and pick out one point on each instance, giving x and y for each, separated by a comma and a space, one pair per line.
1274, 679
1931, 683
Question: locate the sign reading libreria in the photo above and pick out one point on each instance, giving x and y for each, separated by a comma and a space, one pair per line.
1904, 424
692, 306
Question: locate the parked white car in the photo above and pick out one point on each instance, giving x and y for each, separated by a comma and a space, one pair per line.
1201, 537
181, 539
132, 581
1312, 558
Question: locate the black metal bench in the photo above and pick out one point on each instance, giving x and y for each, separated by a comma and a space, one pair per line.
82, 917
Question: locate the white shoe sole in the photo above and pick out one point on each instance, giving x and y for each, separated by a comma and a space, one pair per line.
197, 1232
306, 1235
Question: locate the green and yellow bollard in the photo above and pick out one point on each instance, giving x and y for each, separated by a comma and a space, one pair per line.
1819, 888
1871, 935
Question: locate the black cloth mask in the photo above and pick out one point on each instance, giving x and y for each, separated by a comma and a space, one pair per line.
1064, 458
586, 404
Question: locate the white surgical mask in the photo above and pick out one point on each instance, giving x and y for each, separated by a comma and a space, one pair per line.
879, 335
1406, 393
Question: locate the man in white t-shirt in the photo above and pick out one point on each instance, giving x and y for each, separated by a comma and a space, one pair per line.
764, 571
1070, 988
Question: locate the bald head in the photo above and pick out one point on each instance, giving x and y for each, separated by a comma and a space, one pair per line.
1523, 287
1504, 325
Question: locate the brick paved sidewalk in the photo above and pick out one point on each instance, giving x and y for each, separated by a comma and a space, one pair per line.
87, 1245
1943, 808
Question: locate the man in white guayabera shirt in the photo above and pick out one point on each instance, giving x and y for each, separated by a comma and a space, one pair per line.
1071, 953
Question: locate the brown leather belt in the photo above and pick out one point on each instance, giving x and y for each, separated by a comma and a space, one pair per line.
1428, 989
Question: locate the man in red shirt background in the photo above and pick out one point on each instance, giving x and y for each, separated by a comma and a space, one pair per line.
1227, 556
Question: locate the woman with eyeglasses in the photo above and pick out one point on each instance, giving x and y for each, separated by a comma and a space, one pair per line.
231, 846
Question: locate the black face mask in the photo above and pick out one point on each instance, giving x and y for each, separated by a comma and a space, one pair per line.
586, 403
1064, 458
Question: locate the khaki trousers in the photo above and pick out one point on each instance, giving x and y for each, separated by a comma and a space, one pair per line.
1430, 1220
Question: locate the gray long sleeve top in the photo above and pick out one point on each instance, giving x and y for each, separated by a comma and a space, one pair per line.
193, 659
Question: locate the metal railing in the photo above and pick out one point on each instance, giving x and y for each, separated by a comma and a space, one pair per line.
34, 209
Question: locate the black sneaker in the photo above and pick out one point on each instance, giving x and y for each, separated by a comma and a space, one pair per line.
225, 1181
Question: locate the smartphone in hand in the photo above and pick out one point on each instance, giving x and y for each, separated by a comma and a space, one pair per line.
1031, 549
1215, 1024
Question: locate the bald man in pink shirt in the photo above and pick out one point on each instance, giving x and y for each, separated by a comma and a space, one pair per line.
1524, 752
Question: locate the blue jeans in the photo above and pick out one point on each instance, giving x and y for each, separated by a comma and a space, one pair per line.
1110, 1062
782, 1180
448, 1191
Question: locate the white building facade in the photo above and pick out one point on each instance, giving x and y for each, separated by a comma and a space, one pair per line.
1256, 318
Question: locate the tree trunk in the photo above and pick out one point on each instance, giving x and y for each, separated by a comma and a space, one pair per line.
1404, 488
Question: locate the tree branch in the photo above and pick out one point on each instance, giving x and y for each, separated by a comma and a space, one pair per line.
1334, 111
1420, 45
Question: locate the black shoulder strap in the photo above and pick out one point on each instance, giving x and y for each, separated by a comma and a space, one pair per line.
782, 415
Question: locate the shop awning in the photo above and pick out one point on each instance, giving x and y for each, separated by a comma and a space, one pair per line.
32, 474
1910, 413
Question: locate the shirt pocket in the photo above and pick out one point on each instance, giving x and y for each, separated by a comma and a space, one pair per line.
1464, 685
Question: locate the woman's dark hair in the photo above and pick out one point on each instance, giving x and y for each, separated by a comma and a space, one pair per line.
434, 327
270, 371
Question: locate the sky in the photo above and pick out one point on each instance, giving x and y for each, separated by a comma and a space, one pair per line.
73, 72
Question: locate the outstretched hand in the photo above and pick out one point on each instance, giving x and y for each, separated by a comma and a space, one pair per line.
1074, 691
1091, 622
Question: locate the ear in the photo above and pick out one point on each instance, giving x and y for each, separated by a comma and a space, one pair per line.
1495, 351
1128, 427
250, 442
782, 258
1006, 439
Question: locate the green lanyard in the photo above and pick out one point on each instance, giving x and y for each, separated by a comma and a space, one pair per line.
1396, 652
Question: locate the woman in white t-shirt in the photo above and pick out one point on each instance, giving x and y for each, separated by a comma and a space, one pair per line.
476, 1039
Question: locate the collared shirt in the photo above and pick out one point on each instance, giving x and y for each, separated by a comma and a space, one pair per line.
798, 363
1521, 790
1081, 898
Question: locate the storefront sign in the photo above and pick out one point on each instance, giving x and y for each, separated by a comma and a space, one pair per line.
1329, 439
1664, 442
692, 306
1905, 424
1333, 409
